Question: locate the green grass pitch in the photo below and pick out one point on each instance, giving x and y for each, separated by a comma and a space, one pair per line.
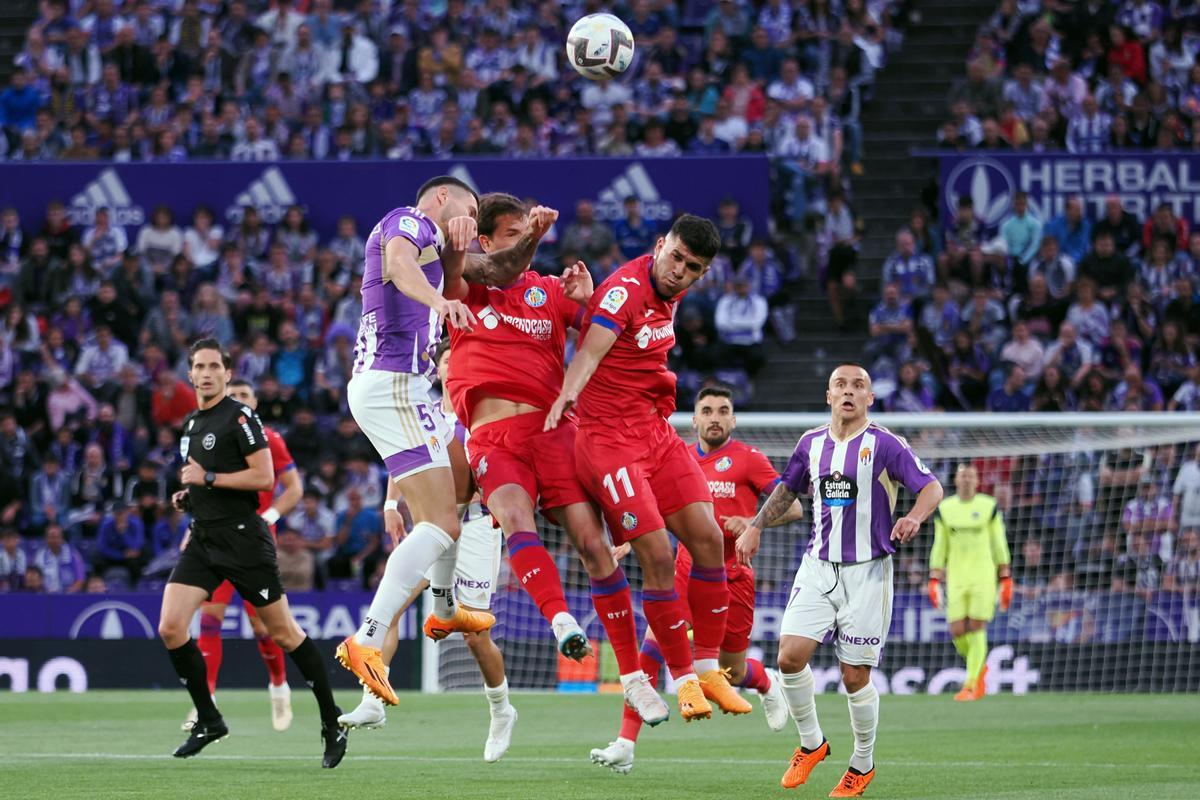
117, 745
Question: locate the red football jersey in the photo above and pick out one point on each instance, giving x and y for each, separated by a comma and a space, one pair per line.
737, 476
516, 350
632, 379
282, 461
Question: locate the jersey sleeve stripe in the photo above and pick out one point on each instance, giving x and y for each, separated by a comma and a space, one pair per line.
608, 322
770, 487
579, 315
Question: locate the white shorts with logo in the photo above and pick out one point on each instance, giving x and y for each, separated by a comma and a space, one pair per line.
397, 412
477, 567
853, 600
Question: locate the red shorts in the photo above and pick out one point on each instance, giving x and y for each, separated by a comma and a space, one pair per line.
516, 450
638, 473
739, 621
224, 593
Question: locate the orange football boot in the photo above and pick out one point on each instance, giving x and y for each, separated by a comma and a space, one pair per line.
853, 783
367, 665
463, 621
981, 684
717, 688
692, 704
802, 764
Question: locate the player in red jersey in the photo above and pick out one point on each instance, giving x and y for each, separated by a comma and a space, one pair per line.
212, 613
635, 466
504, 374
738, 475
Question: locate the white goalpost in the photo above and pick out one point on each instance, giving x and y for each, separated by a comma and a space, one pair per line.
1103, 519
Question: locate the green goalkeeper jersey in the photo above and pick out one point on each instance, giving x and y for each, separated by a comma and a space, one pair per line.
968, 539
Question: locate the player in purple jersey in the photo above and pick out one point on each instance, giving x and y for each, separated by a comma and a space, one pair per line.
853, 468
408, 255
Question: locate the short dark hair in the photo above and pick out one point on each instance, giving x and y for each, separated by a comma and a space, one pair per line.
493, 206
440, 350
209, 343
445, 180
715, 391
697, 234
236, 382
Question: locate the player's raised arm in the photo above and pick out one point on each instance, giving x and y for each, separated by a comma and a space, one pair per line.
504, 266
401, 268
596, 344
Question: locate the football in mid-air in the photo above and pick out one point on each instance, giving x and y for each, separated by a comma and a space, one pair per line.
600, 47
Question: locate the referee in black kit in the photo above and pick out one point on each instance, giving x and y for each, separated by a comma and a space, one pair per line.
228, 464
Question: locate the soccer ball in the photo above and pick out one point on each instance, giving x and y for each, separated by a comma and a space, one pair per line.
600, 47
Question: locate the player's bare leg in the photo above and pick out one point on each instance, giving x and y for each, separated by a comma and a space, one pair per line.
430, 496
796, 678
291, 637
370, 712
749, 673
666, 617
179, 604
512, 508
614, 607
863, 699
708, 599
495, 688
272, 656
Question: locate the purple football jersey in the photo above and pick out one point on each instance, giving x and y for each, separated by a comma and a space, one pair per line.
853, 486
396, 333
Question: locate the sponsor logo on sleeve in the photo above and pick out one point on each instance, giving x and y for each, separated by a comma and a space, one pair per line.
408, 225
614, 299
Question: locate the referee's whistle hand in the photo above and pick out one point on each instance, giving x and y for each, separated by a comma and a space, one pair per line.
192, 473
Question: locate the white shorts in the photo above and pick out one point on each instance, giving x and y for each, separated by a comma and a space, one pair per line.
854, 600
397, 412
477, 566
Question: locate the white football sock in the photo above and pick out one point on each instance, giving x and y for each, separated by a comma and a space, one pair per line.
441, 581
405, 568
798, 692
706, 665
498, 697
864, 717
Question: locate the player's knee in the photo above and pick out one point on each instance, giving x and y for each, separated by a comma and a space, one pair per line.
174, 633
855, 677
258, 627
792, 660
286, 633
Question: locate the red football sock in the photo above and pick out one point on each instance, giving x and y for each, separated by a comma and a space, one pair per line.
708, 597
756, 677
272, 656
534, 566
210, 648
614, 606
666, 616
651, 663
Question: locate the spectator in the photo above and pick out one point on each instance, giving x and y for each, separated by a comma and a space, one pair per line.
100, 363
1090, 318
171, 401
1108, 269
19, 103
120, 543
980, 91
940, 317
1136, 392
1024, 351
1140, 571
60, 564
908, 269
316, 524
67, 400
634, 235
160, 241
1052, 392
34, 582
1120, 226
1055, 268
297, 566
1187, 396
911, 395
358, 539
890, 324
966, 387
1010, 397
740, 317
1089, 128
13, 561
104, 243
1022, 232
1118, 351
1165, 225
1026, 95
984, 317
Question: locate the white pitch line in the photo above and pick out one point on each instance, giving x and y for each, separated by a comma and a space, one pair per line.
210, 756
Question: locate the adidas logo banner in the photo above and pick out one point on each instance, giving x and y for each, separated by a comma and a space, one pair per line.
366, 190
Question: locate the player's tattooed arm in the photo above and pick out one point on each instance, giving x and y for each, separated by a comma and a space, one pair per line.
778, 505
504, 266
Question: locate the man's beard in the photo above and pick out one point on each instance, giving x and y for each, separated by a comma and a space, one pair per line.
716, 440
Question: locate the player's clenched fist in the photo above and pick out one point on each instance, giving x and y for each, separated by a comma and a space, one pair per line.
460, 232
540, 220
747, 545
456, 314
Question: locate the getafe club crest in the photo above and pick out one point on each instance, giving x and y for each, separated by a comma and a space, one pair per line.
628, 521
535, 297
724, 463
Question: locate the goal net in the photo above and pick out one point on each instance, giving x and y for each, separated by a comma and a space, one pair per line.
1103, 520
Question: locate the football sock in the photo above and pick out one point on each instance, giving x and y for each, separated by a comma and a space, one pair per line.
539, 577
976, 655
798, 692
651, 663
668, 620
614, 606
497, 697
189, 666
272, 656
864, 717
308, 658
406, 566
708, 598
756, 677
441, 581
962, 645
211, 648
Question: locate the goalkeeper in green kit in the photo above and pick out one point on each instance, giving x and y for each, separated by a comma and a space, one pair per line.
970, 557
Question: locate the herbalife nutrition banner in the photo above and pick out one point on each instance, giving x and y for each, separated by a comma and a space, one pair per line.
1141, 181
366, 190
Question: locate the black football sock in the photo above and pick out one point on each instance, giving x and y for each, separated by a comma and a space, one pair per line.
189, 666
312, 667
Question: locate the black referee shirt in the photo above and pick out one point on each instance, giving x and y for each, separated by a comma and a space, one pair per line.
220, 438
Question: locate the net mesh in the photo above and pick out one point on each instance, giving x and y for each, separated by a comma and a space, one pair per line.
1103, 519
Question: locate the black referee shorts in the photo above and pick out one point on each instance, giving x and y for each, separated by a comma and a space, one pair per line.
241, 552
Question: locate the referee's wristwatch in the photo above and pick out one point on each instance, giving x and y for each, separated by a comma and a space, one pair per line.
210, 478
